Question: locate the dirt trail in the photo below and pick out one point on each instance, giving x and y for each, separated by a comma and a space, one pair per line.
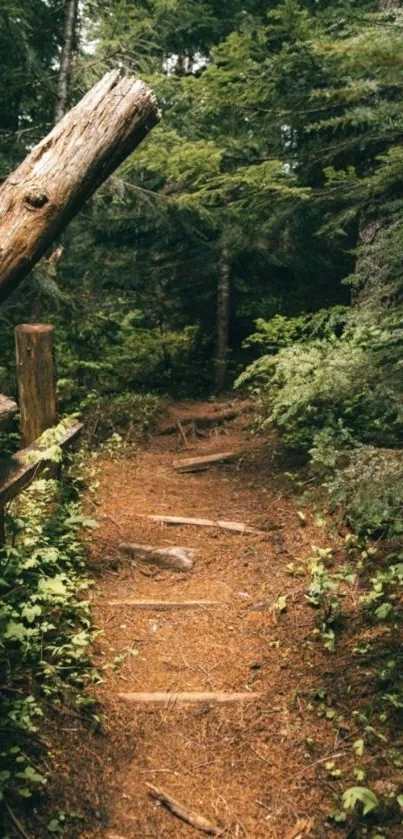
244, 765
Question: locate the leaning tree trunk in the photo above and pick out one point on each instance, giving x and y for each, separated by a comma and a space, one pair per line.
223, 310
38, 200
62, 91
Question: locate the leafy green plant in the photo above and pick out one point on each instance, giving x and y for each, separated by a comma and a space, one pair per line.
362, 795
45, 625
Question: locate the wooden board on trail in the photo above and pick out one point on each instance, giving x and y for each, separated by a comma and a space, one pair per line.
164, 605
188, 698
199, 464
175, 559
235, 526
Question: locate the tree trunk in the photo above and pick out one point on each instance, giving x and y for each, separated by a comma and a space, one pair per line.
62, 91
48, 189
223, 310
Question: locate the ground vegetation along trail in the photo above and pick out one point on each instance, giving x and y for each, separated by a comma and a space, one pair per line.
209, 700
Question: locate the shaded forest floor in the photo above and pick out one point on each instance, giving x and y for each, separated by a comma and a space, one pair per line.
272, 767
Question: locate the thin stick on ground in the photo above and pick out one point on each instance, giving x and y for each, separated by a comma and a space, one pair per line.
182, 434
183, 812
16, 822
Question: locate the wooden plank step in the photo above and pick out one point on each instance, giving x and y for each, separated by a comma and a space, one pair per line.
164, 605
188, 698
235, 526
196, 464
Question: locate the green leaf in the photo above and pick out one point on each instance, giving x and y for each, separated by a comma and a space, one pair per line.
359, 747
363, 795
281, 604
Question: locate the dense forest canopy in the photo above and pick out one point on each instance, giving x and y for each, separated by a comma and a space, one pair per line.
270, 195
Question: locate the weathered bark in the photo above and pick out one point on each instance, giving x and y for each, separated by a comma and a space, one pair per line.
223, 309
36, 379
62, 91
38, 200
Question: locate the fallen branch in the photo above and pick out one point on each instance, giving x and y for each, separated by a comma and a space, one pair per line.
176, 559
235, 526
182, 434
183, 812
301, 829
197, 464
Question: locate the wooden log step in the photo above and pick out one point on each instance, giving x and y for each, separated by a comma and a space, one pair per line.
197, 464
165, 605
235, 526
188, 698
224, 413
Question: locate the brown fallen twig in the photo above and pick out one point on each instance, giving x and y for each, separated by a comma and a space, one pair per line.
17, 824
301, 829
182, 434
183, 812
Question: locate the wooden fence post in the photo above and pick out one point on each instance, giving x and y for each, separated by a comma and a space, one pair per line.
36, 379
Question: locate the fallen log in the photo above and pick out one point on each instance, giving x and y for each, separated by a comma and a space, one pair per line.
51, 185
198, 464
235, 526
183, 812
176, 559
206, 420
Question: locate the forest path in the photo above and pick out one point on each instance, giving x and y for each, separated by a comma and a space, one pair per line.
244, 765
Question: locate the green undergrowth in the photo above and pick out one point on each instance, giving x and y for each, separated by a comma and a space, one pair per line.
45, 633
357, 592
130, 417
